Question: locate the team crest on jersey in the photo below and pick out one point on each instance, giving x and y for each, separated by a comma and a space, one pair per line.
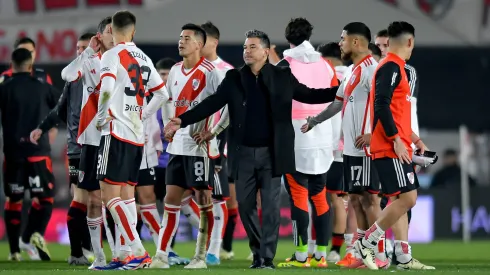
2, 78
80, 176
352, 79
195, 84
411, 177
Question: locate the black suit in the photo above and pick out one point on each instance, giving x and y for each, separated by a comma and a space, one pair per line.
259, 168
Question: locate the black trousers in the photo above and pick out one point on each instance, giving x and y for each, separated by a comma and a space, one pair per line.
254, 174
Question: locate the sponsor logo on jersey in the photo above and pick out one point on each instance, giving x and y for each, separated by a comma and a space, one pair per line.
185, 103
132, 108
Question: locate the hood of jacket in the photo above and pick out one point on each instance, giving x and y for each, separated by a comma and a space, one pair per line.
304, 53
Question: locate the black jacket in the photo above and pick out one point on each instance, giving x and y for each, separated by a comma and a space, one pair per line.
283, 87
67, 110
24, 101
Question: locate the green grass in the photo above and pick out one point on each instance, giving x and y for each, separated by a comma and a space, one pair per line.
448, 257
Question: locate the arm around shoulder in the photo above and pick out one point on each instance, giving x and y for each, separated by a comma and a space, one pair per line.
303, 93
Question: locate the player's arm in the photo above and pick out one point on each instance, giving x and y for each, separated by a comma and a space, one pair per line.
222, 123
58, 113
303, 93
161, 95
73, 71
210, 105
154, 132
387, 79
331, 109
108, 76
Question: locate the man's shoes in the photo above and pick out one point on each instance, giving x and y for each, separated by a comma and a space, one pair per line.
257, 262
414, 264
268, 264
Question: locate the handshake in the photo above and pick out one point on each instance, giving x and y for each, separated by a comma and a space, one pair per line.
174, 124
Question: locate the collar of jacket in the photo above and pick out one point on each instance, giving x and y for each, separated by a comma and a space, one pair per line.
264, 73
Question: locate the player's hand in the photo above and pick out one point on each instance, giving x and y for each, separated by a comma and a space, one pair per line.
203, 136
421, 146
99, 125
35, 135
159, 153
401, 151
94, 43
171, 127
308, 125
363, 140
217, 169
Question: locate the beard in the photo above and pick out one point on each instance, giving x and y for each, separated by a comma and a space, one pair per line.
346, 56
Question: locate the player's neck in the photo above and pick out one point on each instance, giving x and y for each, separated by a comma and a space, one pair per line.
398, 52
121, 38
358, 57
191, 60
212, 57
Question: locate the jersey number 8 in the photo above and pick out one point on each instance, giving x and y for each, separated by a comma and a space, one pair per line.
139, 80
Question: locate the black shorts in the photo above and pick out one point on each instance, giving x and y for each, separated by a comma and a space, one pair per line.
87, 176
190, 172
396, 177
221, 187
335, 179
33, 173
147, 177
360, 175
118, 162
160, 188
313, 184
73, 169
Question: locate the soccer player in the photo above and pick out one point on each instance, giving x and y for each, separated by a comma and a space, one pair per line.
127, 74
400, 229
222, 186
390, 145
24, 100
68, 110
33, 252
344, 226
190, 164
86, 69
163, 67
352, 100
308, 182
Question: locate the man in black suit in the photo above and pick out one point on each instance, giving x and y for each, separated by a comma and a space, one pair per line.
261, 136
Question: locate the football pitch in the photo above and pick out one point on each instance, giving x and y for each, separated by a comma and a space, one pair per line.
448, 257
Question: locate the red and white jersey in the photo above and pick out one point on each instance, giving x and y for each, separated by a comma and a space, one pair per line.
127, 75
86, 68
354, 92
336, 120
187, 88
222, 67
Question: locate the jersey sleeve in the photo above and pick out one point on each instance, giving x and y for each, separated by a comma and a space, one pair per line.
108, 77
74, 70
340, 92
155, 82
387, 78
215, 78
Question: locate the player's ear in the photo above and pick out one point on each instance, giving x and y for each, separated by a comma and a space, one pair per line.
110, 29
98, 35
132, 35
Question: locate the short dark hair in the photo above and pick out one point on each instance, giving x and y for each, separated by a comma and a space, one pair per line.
331, 49
165, 64
24, 40
398, 28
86, 36
103, 23
298, 30
211, 30
20, 57
262, 36
123, 19
375, 50
382, 33
198, 31
358, 28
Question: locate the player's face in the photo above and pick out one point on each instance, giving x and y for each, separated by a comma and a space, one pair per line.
29, 47
210, 48
382, 43
106, 38
254, 52
81, 46
163, 74
188, 43
345, 44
